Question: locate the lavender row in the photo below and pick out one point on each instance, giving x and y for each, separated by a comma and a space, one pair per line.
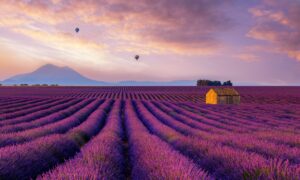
254, 114
223, 162
204, 110
31, 108
154, 159
258, 121
101, 158
28, 160
6, 111
271, 135
247, 143
9, 102
201, 124
38, 114
30, 116
219, 123
43, 117
54, 128
282, 115
238, 125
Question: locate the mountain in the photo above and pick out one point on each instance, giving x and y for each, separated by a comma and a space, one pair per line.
50, 74
65, 76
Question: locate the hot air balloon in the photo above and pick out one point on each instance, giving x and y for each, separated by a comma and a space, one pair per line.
137, 57
77, 30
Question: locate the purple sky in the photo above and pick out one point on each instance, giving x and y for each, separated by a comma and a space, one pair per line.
249, 42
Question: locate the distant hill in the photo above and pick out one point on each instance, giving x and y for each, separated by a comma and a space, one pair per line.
65, 76
50, 74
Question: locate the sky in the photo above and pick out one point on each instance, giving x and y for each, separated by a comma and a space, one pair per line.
253, 42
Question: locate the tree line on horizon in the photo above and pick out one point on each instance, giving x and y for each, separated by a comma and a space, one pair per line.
205, 82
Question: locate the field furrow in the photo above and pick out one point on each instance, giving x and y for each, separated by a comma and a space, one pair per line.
148, 133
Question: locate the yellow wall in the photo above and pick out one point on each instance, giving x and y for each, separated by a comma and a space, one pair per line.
211, 97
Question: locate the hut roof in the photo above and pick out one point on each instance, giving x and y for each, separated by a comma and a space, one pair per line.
226, 91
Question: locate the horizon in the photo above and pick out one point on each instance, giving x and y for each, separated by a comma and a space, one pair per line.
139, 83
252, 43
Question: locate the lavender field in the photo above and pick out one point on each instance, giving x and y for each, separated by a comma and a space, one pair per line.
148, 133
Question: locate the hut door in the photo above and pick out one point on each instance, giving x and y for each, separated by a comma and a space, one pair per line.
229, 99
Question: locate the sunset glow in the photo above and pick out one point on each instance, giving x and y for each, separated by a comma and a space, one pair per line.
249, 42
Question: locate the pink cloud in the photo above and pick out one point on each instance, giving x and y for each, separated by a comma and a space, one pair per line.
64, 40
278, 24
177, 25
248, 57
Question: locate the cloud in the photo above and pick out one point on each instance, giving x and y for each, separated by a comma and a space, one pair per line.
12, 21
60, 40
13, 62
177, 26
247, 57
278, 23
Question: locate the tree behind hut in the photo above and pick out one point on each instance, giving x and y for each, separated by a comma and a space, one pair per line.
227, 83
205, 82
